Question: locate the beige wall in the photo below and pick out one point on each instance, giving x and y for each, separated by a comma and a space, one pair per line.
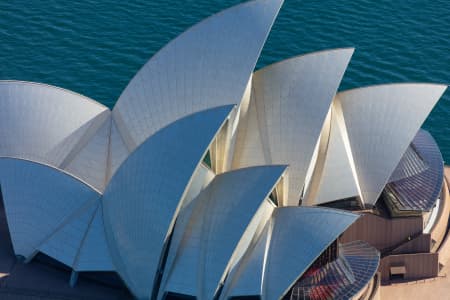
421, 244
383, 233
418, 266
440, 228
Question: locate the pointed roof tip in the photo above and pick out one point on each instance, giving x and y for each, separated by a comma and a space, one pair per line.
245, 24
374, 165
344, 54
350, 50
324, 224
275, 4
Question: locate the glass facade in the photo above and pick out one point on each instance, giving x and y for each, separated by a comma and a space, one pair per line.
337, 277
416, 183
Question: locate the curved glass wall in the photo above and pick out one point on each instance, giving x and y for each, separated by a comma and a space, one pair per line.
340, 278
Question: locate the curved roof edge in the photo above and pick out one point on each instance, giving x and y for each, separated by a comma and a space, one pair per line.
295, 221
380, 122
206, 66
45, 85
287, 247
49, 196
282, 117
305, 55
64, 172
161, 168
193, 27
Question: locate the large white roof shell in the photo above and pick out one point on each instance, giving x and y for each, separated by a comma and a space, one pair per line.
147, 190
208, 65
288, 106
381, 121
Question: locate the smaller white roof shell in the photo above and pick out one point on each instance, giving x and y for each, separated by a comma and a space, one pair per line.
220, 218
295, 237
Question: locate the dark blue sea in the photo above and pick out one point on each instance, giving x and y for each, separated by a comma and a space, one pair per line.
94, 47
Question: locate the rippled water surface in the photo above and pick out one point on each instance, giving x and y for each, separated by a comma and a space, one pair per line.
95, 47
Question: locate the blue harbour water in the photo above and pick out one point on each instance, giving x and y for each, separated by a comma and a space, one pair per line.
95, 47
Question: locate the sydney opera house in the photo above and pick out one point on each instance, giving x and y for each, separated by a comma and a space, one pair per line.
209, 180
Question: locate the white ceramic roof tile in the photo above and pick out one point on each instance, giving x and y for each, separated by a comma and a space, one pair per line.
381, 121
143, 197
209, 65
215, 228
38, 199
291, 100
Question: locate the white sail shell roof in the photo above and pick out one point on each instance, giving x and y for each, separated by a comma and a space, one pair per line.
38, 200
295, 237
381, 121
220, 218
47, 124
147, 190
288, 106
208, 65
337, 179
118, 191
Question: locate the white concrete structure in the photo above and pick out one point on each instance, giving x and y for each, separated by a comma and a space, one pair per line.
189, 185
381, 122
288, 106
209, 65
285, 249
218, 229
156, 174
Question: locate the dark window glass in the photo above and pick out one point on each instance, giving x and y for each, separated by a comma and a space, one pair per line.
175, 296
207, 159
